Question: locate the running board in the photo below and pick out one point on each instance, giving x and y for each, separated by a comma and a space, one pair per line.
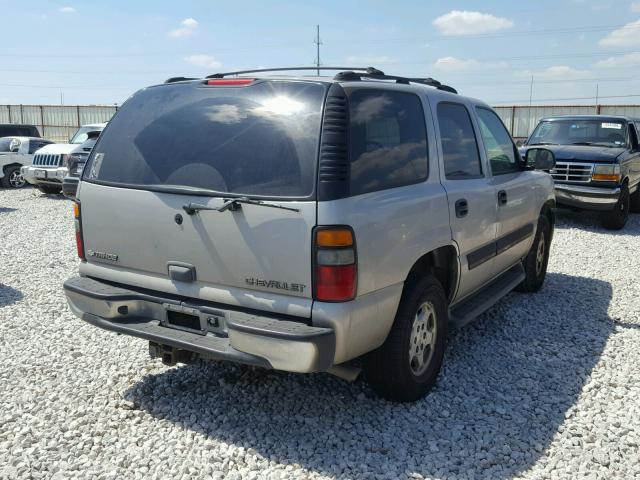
462, 313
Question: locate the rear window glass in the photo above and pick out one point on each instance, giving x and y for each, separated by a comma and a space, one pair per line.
18, 131
388, 140
82, 135
4, 144
257, 140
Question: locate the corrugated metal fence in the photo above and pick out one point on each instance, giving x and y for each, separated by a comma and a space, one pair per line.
521, 120
59, 122
56, 122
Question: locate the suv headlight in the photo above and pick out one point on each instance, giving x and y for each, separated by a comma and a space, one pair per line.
606, 173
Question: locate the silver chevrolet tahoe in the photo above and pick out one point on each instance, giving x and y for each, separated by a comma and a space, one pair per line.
307, 224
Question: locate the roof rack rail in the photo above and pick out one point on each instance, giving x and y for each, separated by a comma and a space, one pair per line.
178, 79
355, 76
368, 70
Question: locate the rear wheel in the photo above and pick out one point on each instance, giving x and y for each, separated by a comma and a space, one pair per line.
49, 189
12, 178
617, 218
535, 263
634, 204
406, 366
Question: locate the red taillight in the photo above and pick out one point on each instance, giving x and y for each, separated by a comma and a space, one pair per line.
230, 82
78, 224
336, 268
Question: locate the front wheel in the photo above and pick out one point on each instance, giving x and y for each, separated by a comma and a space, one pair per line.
617, 218
13, 178
535, 263
406, 366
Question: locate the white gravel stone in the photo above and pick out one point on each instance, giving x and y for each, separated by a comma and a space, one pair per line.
541, 386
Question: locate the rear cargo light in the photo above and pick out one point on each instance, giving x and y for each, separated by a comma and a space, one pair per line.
230, 82
335, 264
77, 220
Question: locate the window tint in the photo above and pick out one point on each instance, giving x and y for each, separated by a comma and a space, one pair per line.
388, 139
261, 139
459, 145
500, 149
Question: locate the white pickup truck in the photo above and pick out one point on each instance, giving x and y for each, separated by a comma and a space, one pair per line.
50, 164
16, 152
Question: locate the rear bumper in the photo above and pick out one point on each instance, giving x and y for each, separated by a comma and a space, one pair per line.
225, 334
589, 198
36, 175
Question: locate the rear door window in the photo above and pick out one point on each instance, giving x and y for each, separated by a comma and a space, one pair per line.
458, 141
388, 140
258, 140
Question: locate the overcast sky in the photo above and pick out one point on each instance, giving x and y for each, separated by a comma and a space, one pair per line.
101, 52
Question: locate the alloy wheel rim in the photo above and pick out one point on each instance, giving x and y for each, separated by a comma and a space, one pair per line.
423, 338
16, 180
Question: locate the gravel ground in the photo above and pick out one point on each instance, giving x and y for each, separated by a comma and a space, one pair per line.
541, 386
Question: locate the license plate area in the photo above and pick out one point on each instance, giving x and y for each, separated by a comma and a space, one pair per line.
195, 320
40, 173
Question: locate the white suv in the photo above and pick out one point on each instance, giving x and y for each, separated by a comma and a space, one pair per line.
302, 223
16, 152
50, 164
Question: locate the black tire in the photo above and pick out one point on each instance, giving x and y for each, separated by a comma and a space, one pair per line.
394, 370
536, 261
49, 189
617, 218
12, 178
634, 204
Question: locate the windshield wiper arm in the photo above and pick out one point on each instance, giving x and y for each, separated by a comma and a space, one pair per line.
233, 204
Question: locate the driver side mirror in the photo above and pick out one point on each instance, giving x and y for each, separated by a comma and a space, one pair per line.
540, 159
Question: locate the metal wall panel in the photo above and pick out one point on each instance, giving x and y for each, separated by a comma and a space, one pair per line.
96, 114
59, 122
56, 122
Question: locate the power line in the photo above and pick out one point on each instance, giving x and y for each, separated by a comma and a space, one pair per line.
562, 99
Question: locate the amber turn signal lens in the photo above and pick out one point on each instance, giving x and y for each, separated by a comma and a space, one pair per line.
334, 237
606, 178
76, 210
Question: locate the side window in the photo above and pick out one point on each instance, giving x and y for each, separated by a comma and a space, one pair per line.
633, 137
388, 140
501, 151
459, 145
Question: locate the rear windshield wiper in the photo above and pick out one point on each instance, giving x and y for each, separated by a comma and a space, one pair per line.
233, 204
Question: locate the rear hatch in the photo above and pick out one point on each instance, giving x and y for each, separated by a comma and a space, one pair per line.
176, 153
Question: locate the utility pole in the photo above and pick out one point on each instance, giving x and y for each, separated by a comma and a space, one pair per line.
530, 102
318, 42
597, 97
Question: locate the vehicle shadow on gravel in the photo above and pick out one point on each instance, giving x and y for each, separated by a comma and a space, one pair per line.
509, 381
590, 221
9, 295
